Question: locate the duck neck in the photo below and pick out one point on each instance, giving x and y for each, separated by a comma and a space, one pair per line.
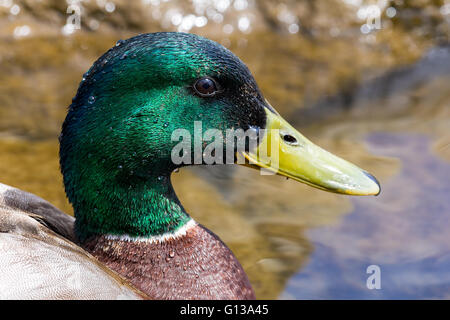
137, 209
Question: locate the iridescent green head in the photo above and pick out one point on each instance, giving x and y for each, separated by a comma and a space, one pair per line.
116, 140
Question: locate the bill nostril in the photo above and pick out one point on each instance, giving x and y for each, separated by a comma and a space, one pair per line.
289, 139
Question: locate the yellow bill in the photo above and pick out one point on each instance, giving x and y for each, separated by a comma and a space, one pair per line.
284, 151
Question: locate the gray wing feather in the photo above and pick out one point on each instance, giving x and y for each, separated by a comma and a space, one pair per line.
37, 262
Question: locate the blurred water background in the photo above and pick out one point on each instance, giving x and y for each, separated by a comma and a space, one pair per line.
367, 80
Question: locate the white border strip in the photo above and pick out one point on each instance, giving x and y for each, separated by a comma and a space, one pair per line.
181, 232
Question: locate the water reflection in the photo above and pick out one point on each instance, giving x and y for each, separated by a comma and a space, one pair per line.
404, 231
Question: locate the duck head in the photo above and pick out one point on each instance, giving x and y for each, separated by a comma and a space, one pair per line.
117, 143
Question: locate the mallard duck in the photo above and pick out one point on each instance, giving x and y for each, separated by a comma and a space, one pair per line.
131, 238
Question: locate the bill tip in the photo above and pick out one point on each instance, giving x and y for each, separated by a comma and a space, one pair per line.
371, 177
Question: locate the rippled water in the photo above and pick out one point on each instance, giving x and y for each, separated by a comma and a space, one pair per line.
404, 232
380, 100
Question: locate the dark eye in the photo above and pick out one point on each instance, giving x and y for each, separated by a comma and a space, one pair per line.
206, 87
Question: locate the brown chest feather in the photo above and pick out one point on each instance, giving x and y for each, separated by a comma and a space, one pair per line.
195, 266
